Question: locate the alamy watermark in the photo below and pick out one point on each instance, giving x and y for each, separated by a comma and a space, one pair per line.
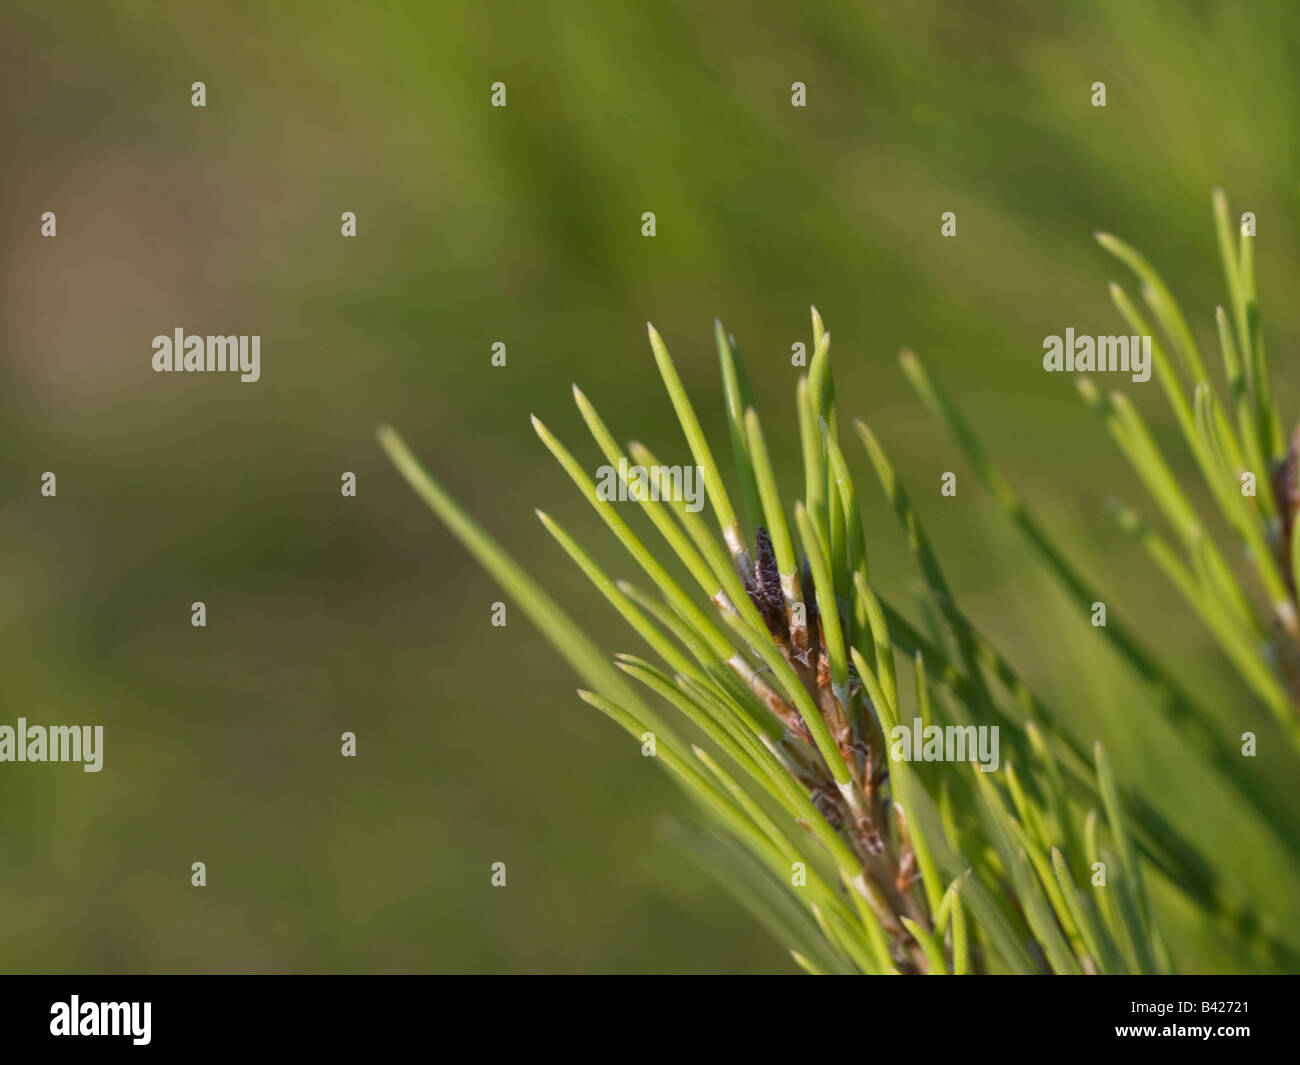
946, 743
679, 484
197, 354
75, 1017
55, 743
1085, 354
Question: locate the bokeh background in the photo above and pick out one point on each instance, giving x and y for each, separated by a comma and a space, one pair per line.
522, 225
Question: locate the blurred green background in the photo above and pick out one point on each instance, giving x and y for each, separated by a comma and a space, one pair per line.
522, 225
